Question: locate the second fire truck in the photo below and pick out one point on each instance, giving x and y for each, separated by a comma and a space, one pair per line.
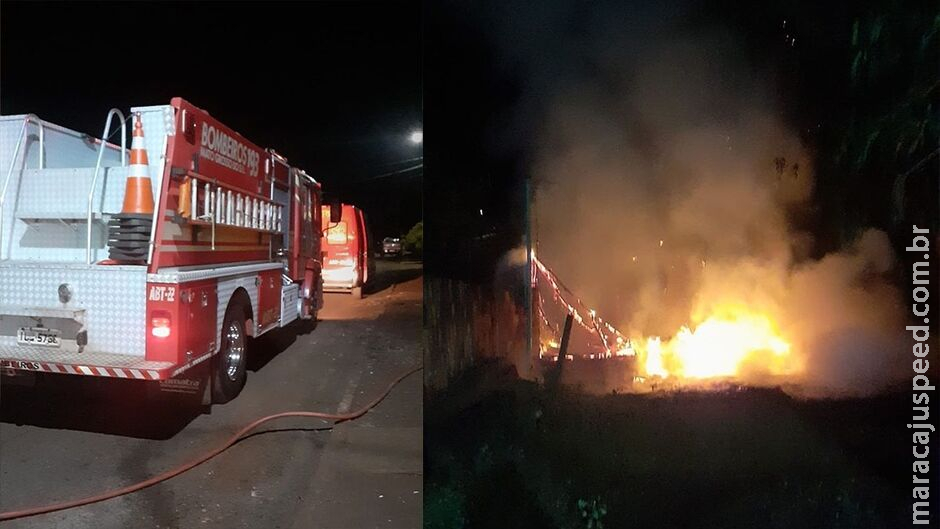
144, 263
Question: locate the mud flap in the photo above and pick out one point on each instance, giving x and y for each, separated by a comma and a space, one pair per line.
192, 387
15, 377
318, 295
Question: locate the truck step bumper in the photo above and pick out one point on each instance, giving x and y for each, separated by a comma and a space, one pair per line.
49, 360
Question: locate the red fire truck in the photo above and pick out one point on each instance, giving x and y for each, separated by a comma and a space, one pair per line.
348, 264
144, 263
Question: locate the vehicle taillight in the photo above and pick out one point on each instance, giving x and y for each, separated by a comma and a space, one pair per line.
160, 324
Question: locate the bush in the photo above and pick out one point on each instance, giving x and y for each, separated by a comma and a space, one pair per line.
414, 241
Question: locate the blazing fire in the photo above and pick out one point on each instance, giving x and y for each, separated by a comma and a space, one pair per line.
718, 347
734, 342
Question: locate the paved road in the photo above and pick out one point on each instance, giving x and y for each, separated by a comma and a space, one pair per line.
70, 441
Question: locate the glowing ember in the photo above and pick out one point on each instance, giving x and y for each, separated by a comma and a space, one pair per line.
719, 347
625, 350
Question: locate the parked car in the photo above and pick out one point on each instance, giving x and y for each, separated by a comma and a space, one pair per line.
391, 246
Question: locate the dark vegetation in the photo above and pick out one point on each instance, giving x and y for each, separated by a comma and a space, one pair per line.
861, 84
414, 239
501, 452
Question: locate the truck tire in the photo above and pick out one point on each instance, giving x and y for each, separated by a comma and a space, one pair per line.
229, 371
357, 292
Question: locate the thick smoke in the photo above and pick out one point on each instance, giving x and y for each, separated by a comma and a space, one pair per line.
666, 188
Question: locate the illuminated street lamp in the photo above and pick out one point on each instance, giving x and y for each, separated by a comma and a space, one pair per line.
416, 137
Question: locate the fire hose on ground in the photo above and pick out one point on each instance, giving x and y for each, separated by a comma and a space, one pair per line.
338, 417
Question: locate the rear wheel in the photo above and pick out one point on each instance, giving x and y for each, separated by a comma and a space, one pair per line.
229, 372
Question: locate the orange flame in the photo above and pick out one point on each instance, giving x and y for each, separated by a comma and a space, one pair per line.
719, 347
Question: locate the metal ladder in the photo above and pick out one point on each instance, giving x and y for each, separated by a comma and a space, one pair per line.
94, 180
42, 163
227, 206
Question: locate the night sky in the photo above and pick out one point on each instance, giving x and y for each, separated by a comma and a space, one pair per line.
494, 67
334, 87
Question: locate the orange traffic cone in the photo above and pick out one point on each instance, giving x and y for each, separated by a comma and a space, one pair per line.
138, 191
129, 231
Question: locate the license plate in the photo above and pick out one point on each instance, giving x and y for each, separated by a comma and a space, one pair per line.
38, 336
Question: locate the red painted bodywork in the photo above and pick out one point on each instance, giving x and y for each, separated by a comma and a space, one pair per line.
255, 172
214, 149
204, 146
280, 170
269, 298
305, 245
192, 310
350, 255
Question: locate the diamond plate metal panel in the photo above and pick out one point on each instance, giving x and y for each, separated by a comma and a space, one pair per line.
10, 127
37, 233
226, 287
53, 241
289, 295
177, 275
63, 193
64, 148
113, 297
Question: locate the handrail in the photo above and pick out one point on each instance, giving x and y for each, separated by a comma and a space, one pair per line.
16, 150
94, 180
158, 207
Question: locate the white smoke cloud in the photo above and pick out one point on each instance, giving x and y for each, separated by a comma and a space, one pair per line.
669, 190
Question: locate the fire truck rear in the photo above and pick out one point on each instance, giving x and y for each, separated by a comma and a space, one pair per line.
144, 263
348, 263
